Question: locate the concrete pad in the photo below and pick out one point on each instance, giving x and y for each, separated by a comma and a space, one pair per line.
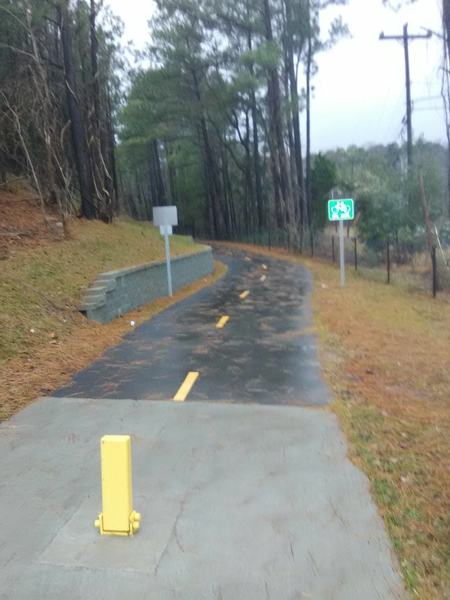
237, 501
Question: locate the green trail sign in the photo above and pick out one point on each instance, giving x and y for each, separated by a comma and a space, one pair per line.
341, 210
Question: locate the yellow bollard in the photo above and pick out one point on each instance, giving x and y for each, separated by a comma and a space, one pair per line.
117, 516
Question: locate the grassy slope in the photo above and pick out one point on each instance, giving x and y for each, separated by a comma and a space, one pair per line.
44, 339
386, 356
36, 282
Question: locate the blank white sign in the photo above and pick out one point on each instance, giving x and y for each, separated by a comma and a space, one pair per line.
165, 215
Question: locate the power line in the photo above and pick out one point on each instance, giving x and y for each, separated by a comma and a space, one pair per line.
428, 108
427, 98
392, 116
382, 109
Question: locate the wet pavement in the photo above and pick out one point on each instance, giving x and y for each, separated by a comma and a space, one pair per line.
266, 353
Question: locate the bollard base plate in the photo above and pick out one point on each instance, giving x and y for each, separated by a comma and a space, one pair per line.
134, 522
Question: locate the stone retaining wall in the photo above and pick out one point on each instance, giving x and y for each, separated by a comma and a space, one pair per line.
117, 292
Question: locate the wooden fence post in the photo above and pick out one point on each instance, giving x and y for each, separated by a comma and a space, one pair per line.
434, 265
388, 261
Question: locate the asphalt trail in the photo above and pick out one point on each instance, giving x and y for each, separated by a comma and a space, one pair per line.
265, 353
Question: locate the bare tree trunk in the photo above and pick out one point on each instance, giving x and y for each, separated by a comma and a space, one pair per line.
152, 181
47, 122
251, 208
257, 161
18, 126
112, 154
276, 130
426, 214
81, 154
102, 178
295, 107
3, 178
255, 136
227, 195
210, 168
160, 187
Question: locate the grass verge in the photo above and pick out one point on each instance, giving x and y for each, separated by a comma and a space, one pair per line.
386, 355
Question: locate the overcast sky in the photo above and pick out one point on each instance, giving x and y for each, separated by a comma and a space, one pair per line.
359, 95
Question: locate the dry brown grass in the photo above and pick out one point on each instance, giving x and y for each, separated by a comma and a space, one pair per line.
386, 356
23, 223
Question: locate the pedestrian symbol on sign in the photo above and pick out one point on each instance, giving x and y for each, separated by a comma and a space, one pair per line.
341, 210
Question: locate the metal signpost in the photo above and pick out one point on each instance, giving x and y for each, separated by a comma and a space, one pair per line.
165, 217
341, 210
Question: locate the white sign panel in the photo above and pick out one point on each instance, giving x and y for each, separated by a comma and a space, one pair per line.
165, 215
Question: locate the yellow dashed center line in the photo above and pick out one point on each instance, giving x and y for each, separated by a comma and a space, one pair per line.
186, 386
244, 295
222, 322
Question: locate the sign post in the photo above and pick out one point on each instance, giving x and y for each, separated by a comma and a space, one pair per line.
341, 210
167, 229
341, 253
165, 217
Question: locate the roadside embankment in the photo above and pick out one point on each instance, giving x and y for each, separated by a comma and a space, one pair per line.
44, 338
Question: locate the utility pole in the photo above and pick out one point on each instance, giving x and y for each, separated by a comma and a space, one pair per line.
308, 203
405, 38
